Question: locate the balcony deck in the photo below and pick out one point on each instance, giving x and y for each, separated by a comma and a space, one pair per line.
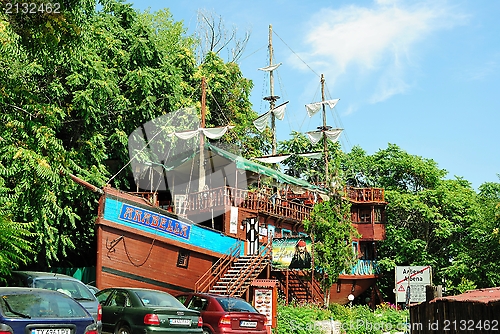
286, 205
365, 195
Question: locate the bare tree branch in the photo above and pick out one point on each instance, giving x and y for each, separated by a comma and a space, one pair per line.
215, 37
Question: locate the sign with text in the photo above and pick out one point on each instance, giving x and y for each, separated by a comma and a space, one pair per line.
411, 282
154, 220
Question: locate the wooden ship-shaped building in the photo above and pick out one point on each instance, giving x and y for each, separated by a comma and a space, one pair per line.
212, 225
163, 239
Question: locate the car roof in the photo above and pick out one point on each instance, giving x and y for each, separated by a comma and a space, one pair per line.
134, 289
42, 274
23, 290
213, 295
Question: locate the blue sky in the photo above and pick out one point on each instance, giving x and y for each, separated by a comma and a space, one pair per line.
424, 75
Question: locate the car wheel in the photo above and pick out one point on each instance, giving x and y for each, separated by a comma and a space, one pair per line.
123, 329
206, 331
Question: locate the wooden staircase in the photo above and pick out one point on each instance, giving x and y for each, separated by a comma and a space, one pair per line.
234, 274
297, 284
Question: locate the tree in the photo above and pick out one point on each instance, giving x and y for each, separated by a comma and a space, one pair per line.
15, 245
312, 170
214, 37
70, 107
430, 220
330, 227
228, 102
476, 256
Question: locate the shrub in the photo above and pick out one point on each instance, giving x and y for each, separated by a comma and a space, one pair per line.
355, 320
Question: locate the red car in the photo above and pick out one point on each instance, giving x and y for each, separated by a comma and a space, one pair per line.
224, 314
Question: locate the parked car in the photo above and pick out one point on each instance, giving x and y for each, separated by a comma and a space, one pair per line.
41, 311
224, 314
71, 286
145, 311
92, 288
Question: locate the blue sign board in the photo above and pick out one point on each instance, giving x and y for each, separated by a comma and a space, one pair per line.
154, 220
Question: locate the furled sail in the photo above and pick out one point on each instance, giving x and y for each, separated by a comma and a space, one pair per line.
212, 133
315, 136
270, 67
313, 108
262, 121
273, 159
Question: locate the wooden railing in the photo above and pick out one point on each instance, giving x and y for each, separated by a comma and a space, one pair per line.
297, 287
239, 283
364, 267
219, 268
364, 194
259, 201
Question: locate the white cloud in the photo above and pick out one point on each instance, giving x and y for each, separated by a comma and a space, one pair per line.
379, 40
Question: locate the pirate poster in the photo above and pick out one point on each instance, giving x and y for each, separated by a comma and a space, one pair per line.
292, 253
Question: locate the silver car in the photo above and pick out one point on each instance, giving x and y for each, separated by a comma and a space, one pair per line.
68, 285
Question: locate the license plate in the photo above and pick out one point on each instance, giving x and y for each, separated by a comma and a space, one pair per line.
186, 322
248, 324
51, 331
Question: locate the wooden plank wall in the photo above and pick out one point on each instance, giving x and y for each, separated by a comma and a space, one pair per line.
140, 261
455, 317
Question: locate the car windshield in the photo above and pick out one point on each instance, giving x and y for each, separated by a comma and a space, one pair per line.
71, 288
158, 298
41, 306
235, 305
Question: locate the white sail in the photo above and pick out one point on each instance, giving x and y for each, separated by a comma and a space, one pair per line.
311, 155
279, 111
212, 133
315, 136
262, 121
333, 134
273, 159
270, 67
313, 108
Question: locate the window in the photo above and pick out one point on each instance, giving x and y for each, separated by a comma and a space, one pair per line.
355, 247
183, 258
365, 216
198, 303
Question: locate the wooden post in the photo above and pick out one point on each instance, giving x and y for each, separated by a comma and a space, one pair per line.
286, 288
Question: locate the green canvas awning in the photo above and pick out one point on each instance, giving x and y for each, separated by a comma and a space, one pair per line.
247, 165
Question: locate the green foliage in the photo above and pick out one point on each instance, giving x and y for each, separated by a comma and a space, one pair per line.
312, 170
430, 220
354, 320
299, 319
15, 245
465, 285
228, 102
329, 224
68, 107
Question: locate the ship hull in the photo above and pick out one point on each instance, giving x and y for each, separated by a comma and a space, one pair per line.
350, 285
142, 246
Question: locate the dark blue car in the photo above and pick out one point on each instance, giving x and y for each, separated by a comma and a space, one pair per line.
41, 311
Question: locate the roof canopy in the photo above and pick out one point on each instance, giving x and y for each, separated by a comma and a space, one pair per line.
221, 165
247, 165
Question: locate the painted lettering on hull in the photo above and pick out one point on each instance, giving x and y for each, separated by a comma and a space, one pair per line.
155, 221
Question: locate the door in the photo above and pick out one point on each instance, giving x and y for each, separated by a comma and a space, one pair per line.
252, 236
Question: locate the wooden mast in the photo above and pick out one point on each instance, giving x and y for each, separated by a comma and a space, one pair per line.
324, 128
272, 98
201, 176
